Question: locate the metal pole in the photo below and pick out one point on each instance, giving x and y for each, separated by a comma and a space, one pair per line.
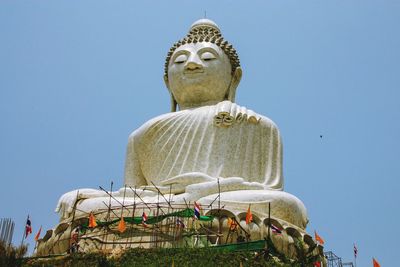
108, 215
219, 211
11, 233
355, 260
123, 202
134, 191
24, 232
72, 220
2, 228
269, 219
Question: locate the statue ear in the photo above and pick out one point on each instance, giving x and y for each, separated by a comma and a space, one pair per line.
173, 101
236, 77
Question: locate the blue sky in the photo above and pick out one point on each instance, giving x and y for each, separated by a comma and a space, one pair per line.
77, 77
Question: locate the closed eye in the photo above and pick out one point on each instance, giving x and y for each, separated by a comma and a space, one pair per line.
180, 59
207, 56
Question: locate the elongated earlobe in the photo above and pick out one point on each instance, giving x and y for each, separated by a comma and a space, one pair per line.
174, 104
236, 77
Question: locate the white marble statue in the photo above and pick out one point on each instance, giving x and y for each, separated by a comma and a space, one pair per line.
205, 141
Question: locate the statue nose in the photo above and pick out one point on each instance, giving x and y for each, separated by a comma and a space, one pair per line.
193, 63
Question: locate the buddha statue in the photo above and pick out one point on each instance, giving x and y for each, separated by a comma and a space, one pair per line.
207, 147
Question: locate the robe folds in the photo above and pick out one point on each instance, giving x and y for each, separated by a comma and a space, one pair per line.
189, 141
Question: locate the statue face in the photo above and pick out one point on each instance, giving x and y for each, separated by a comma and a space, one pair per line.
199, 74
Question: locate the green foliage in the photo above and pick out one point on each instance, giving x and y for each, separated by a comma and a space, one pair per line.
181, 257
11, 256
305, 258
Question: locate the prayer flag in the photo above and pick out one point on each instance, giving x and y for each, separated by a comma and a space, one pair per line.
355, 250
180, 223
122, 225
276, 229
249, 216
375, 262
144, 219
318, 238
28, 227
196, 211
92, 221
38, 234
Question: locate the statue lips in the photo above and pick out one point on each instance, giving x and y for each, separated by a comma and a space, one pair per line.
193, 72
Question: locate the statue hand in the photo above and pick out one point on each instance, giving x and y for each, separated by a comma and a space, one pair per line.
225, 185
179, 183
67, 201
198, 190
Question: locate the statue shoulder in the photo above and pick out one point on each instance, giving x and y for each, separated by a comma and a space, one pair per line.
152, 123
241, 114
267, 121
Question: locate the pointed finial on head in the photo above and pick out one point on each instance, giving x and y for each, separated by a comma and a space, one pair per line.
204, 23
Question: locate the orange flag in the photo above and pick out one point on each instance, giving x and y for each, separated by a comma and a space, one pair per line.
38, 234
231, 224
318, 238
376, 264
249, 216
122, 225
92, 221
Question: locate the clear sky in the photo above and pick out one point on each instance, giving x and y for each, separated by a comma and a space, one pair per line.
77, 77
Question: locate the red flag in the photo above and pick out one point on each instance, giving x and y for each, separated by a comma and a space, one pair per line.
317, 264
38, 234
318, 238
92, 221
249, 216
28, 227
376, 264
144, 219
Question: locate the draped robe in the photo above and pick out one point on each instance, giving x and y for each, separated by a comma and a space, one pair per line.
188, 141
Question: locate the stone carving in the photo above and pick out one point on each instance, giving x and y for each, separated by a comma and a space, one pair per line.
207, 147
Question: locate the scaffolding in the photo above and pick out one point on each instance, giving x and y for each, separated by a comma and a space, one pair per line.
163, 223
6, 230
335, 261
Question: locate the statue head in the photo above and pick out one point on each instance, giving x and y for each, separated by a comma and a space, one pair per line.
202, 68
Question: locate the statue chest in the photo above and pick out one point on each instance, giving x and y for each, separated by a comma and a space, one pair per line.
193, 143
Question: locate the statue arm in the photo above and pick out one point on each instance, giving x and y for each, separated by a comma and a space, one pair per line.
133, 171
273, 179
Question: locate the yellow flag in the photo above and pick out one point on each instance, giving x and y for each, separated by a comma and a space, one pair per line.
122, 225
92, 221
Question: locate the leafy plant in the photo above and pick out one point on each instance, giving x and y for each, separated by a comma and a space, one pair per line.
10, 255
